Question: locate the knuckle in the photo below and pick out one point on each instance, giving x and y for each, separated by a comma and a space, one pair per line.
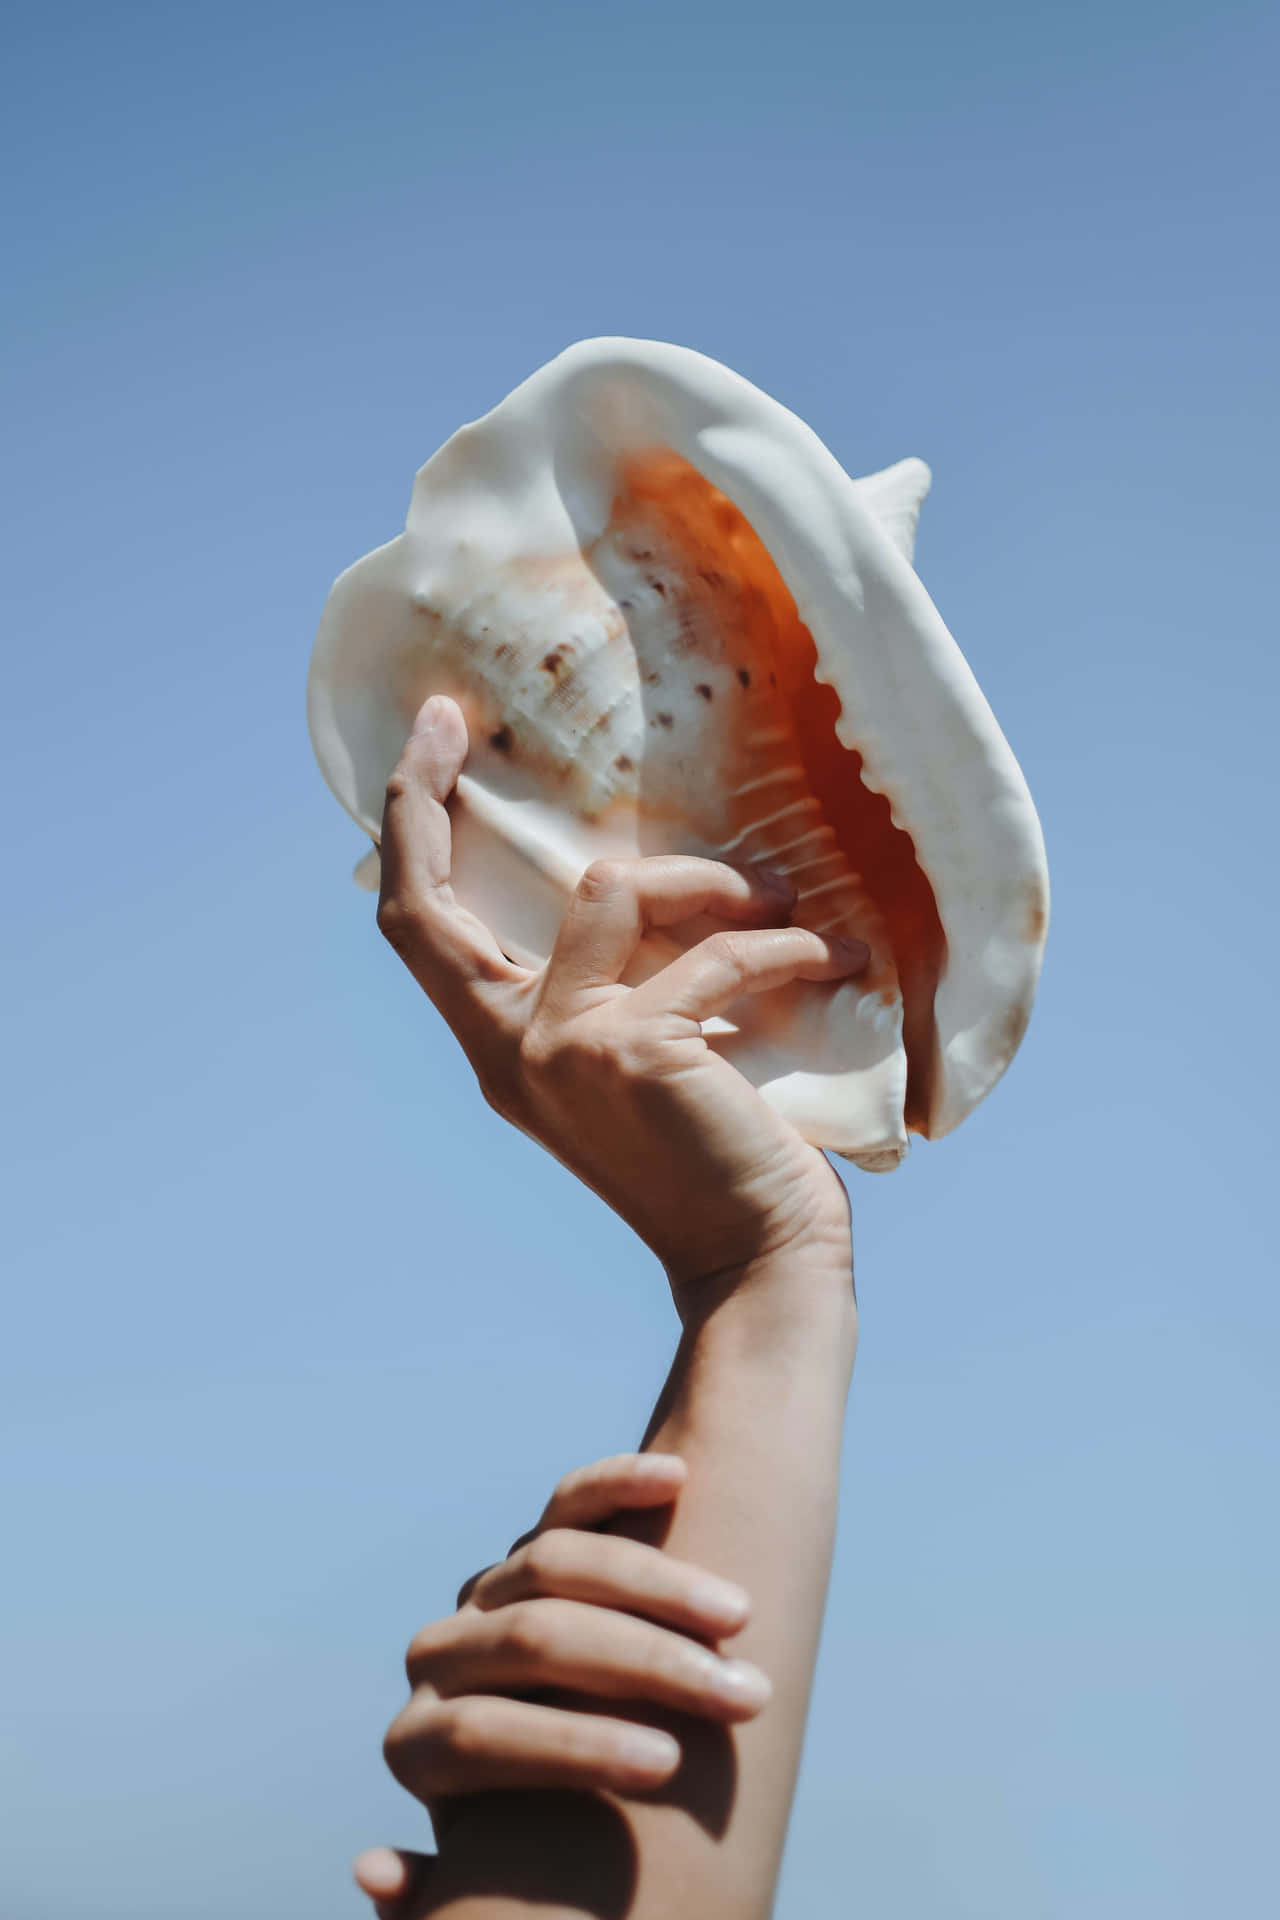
547, 1560
498, 1090
638, 1053
731, 952
586, 1479
570, 1484
538, 1050
400, 1746
426, 1650
467, 1729
566, 1058
398, 785
729, 948
588, 1056
399, 922
527, 1634
429, 1752
603, 880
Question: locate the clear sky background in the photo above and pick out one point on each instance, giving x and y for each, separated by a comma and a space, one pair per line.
295, 1334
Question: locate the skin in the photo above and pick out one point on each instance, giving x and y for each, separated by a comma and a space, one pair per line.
609, 1628
570, 1607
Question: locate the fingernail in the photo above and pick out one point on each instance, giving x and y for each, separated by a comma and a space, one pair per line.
427, 715
659, 1466
380, 1872
741, 1682
719, 1600
734, 1681
647, 1750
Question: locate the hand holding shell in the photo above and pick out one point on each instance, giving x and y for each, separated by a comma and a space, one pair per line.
617, 1081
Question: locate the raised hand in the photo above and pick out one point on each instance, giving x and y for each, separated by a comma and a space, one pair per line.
617, 1081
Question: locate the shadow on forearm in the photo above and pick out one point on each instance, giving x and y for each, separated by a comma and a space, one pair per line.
569, 1850
575, 1850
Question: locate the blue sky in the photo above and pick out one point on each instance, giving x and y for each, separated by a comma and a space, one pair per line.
295, 1334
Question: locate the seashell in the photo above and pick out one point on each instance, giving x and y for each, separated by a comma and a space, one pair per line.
674, 623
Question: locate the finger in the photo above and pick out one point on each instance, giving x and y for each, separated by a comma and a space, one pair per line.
394, 1880
711, 976
624, 1482
447, 948
587, 1496
478, 1744
468, 1587
607, 1570
563, 1643
616, 900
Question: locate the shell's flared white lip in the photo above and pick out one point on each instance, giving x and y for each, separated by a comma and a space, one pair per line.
537, 476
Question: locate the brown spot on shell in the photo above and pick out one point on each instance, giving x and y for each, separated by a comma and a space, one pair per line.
624, 763
1036, 921
705, 690
664, 719
553, 662
502, 740
744, 676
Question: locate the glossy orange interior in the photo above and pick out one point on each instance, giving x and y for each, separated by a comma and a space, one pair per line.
882, 854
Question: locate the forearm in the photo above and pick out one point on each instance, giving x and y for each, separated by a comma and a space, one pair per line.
755, 1405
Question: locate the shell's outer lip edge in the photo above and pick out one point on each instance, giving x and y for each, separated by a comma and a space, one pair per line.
328, 740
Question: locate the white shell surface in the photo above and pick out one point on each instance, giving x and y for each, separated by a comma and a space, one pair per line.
616, 670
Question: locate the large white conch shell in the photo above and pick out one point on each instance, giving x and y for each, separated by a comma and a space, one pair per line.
674, 623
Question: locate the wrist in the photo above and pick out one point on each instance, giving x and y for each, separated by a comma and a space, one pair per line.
798, 1299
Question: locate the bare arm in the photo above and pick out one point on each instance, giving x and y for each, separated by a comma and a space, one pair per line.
752, 1227
755, 1406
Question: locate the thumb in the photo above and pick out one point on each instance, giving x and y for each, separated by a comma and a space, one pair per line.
438, 744
394, 1880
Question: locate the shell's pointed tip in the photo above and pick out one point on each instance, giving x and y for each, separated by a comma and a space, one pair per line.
367, 873
895, 497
